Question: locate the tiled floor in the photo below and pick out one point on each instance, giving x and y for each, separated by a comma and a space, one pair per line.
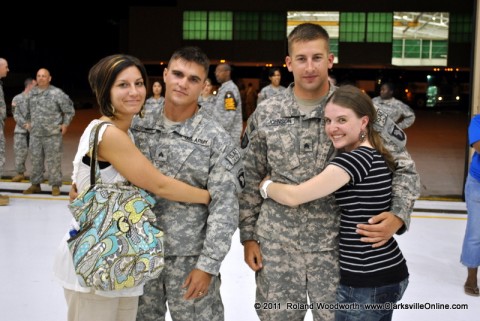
32, 227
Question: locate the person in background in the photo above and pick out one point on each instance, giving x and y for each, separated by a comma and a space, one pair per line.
152, 108
275, 76
470, 256
20, 133
361, 178
207, 98
190, 145
49, 112
4, 199
228, 103
250, 100
118, 82
401, 113
294, 251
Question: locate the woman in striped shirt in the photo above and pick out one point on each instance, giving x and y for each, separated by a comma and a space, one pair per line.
372, 278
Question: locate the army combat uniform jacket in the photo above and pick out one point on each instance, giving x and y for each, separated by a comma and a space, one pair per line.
291, 147
399, 112
228, 109
47, 110
201, 153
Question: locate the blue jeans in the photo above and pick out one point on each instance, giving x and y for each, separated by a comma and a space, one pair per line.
471, 243
360, 298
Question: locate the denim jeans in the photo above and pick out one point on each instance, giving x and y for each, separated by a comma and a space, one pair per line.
471, 243
360, 298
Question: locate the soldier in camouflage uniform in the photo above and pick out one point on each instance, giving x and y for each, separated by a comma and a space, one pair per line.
273, 88
49, 112
228, 103
186, 143
294, 251
207, 98
401, 113
4, 200
20, 133
151, 109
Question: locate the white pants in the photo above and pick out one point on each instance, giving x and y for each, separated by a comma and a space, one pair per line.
92, 307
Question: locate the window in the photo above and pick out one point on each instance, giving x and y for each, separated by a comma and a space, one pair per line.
228, 25
272, 26
220, 25
195, 25
460, 28
420, 38
246, 25
352, 26
379, 27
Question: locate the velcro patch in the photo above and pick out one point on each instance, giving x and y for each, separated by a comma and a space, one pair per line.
233, 157
229, 102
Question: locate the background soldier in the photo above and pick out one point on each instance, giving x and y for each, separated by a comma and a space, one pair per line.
20, 133
228, 103
4, 200
50, 111
401, 113
274, 87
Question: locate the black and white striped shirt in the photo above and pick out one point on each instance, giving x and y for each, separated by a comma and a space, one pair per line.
368, 193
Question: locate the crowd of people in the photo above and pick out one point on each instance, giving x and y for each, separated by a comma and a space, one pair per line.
318, 181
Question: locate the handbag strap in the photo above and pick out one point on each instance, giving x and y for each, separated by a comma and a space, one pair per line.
94, 170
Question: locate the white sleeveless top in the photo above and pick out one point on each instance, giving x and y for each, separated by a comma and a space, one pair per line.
63, 269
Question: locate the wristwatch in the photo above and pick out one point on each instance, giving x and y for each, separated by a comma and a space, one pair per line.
263, 189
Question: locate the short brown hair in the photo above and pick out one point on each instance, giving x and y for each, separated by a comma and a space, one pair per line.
307, 32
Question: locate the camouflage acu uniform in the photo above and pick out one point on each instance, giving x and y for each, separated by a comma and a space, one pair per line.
228, 109
47, 110
201, 153
3, 116
268, 91
20, 134
151, 112
207, 103
401, 113
299, 244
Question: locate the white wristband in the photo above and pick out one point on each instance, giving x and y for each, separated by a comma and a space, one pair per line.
263, 190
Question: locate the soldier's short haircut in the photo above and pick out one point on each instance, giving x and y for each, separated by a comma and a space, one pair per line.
28, 81
307, 32
192, 54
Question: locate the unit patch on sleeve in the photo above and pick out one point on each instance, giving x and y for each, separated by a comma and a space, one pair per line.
229, 102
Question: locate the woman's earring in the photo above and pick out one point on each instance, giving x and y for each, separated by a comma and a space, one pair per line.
113, 109
362, 136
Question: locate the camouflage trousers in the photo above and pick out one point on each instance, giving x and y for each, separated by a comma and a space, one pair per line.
2, 147
50, 150
288, 276
168, 288
20, 150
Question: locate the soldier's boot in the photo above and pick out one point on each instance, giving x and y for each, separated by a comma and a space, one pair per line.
55, 190
4, 200
18, 178
33, 189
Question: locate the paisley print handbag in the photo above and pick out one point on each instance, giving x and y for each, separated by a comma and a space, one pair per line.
117, 245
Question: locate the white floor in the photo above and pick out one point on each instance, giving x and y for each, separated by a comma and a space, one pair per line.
32, 226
